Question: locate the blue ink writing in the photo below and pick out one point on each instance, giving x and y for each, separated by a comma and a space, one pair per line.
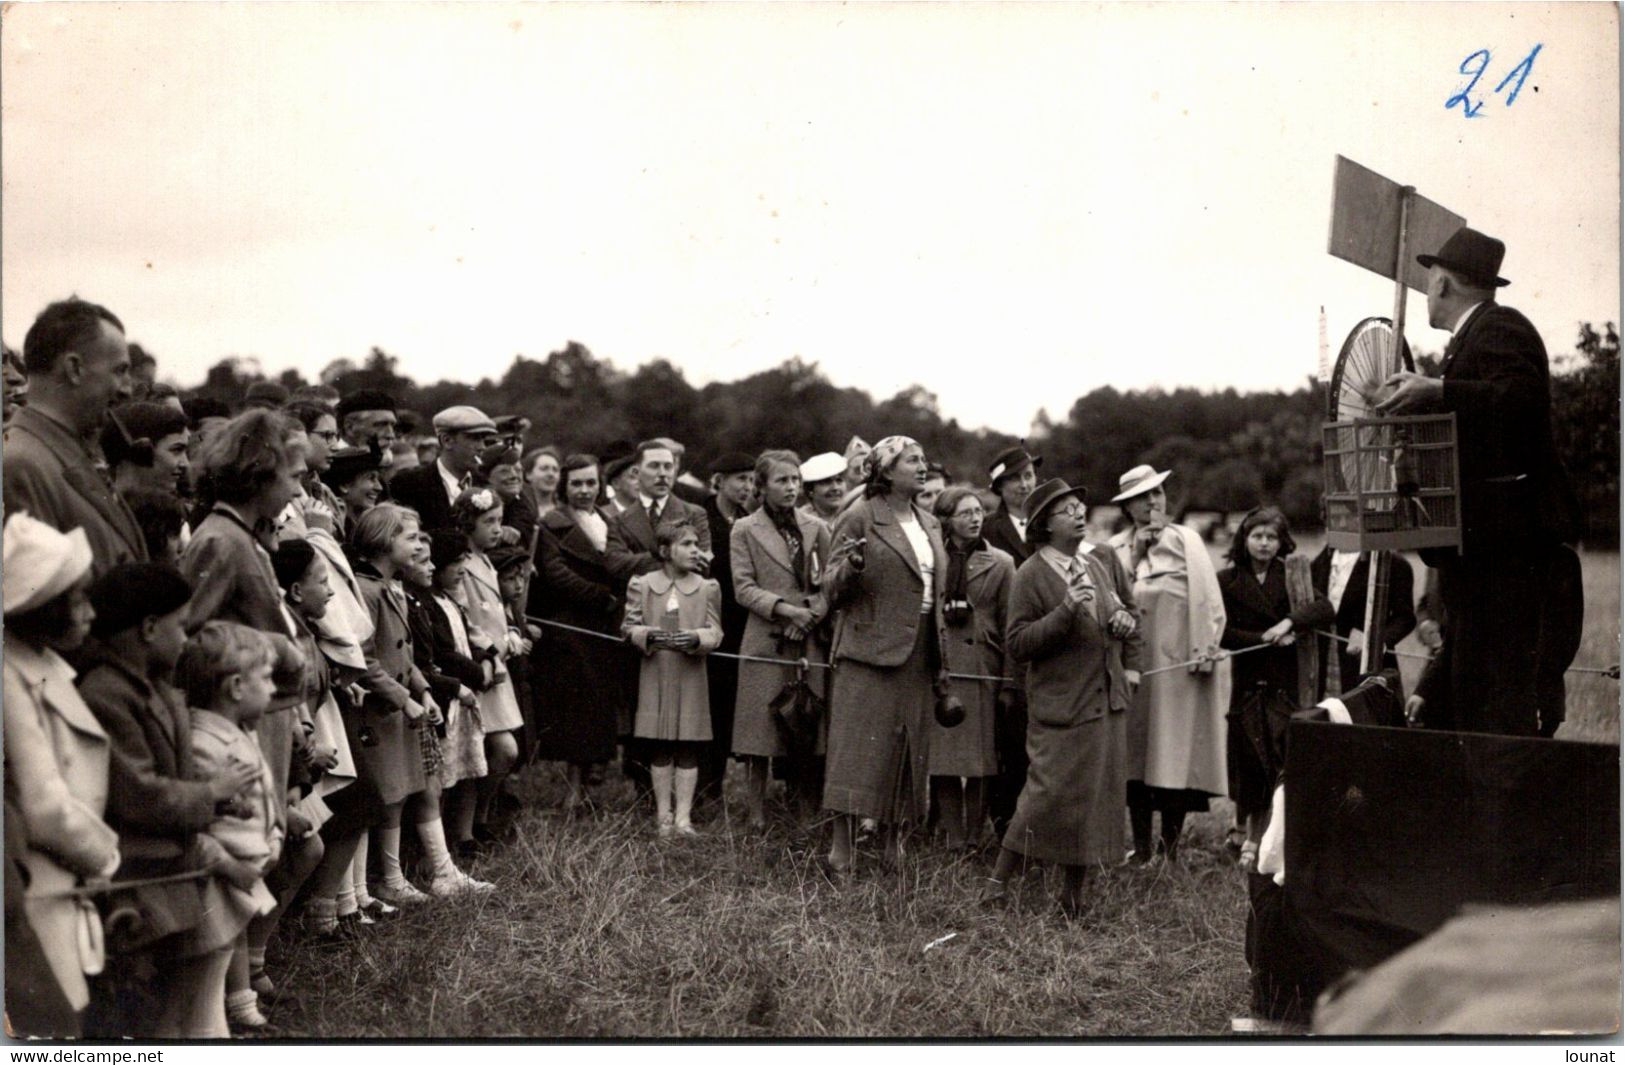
1474, 67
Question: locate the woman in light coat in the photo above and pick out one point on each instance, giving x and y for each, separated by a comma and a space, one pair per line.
1176, 728
56, 753
776, 555
886, 577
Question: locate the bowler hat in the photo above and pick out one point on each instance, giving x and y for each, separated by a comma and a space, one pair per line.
1471, 254
1047, 495
1010, 462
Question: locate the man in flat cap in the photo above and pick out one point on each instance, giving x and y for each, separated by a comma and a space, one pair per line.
1516, 507
430, 490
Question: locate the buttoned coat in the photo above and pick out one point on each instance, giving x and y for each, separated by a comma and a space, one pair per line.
394, 762
1000, 532
422, 489
50, 474
155, 801
878, 605
764, 575
631, 547
579, 718
56, 765
977, 649
673, 697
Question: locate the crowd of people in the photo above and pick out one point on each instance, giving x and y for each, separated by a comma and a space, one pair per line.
244, 649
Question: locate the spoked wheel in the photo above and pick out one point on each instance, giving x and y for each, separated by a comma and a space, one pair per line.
1367, 360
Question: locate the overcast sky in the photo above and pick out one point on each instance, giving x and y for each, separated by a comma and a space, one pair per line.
1008, 204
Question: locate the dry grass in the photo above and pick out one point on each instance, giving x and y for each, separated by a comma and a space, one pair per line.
599, 930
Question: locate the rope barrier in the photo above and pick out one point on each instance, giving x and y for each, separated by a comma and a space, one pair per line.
1608, 671
114, 886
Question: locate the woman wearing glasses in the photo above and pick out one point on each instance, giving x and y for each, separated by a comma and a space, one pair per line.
973, 611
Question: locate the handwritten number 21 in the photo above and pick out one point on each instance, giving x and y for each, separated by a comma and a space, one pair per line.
1474, 66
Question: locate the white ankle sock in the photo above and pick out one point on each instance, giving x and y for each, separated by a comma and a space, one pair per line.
432, 834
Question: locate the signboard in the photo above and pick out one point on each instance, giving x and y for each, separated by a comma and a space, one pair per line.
1365, 223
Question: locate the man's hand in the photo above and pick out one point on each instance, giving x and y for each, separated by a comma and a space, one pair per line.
1121, 624
1412, 393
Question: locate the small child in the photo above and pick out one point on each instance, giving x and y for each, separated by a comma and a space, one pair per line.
674, 616
459, 673
514, 568
478, 515
225, 674
156, 801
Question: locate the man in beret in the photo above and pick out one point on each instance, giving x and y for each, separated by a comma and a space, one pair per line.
1516, 506
78, 366
464, 433
367, 418
733, 496
1012, 477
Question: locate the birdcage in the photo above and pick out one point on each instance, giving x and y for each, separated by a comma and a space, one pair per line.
1392, 483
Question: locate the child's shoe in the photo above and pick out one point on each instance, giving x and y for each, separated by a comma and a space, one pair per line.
667, 827
400, 893
686, 828
457, 882
243, 1009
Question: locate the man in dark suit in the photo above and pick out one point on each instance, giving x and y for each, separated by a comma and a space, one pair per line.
430, 490
78, 366
1342, 577
631, 548
1515, 504
1013, 476
733, 496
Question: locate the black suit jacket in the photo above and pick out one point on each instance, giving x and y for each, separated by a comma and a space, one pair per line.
422, 489
1000, 532
1497, 382
1351, 612
631, 546
734, 616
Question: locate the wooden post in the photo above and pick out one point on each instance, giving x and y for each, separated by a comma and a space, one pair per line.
1376, 588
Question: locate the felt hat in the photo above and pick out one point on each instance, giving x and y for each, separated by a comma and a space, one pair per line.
38, 563
1138, 481
1010, 462
734, 462
1047, 495
132, 591
1473, 255
822, 467
348, 463
365, 399
618, 455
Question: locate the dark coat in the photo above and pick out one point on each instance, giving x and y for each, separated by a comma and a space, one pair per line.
434, 651
51, 475
1351, 613
1249, 609
734, 616
631, 546
422, 489
1000, 532
1497, 382
519, 515
586, 680
153, 801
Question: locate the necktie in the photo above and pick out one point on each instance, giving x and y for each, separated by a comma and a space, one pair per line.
654, 513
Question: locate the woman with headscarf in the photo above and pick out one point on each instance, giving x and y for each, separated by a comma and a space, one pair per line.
776, 556
1074, 636
1176, 729
886, 576
974, 607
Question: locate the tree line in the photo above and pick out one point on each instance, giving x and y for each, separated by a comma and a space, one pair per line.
1230, 449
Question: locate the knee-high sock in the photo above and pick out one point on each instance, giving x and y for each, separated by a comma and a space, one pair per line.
358, 872
661, 777
687, 779
389, 856
432, 834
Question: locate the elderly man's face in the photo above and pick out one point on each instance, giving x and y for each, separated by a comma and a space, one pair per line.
366, 427
657, 470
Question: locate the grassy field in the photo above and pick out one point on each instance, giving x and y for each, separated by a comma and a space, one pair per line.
597, 929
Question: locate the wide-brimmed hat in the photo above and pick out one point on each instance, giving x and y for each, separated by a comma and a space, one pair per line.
38, 563
1138, 481
822, 467
348, 463
1010, 462
1047, 495
1473, 255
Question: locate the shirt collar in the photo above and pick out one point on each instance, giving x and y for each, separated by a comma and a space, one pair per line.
1468, 313
453, 483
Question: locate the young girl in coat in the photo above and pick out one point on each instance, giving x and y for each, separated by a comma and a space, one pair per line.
1264, 684
225, 674
56, 758
674, 616
478, 515
445, 624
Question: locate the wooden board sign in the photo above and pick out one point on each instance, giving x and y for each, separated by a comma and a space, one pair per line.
1365, 223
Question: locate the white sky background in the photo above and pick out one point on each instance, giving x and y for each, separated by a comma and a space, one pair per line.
1008, 204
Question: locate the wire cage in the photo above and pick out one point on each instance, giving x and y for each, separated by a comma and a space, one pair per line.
1392, 483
